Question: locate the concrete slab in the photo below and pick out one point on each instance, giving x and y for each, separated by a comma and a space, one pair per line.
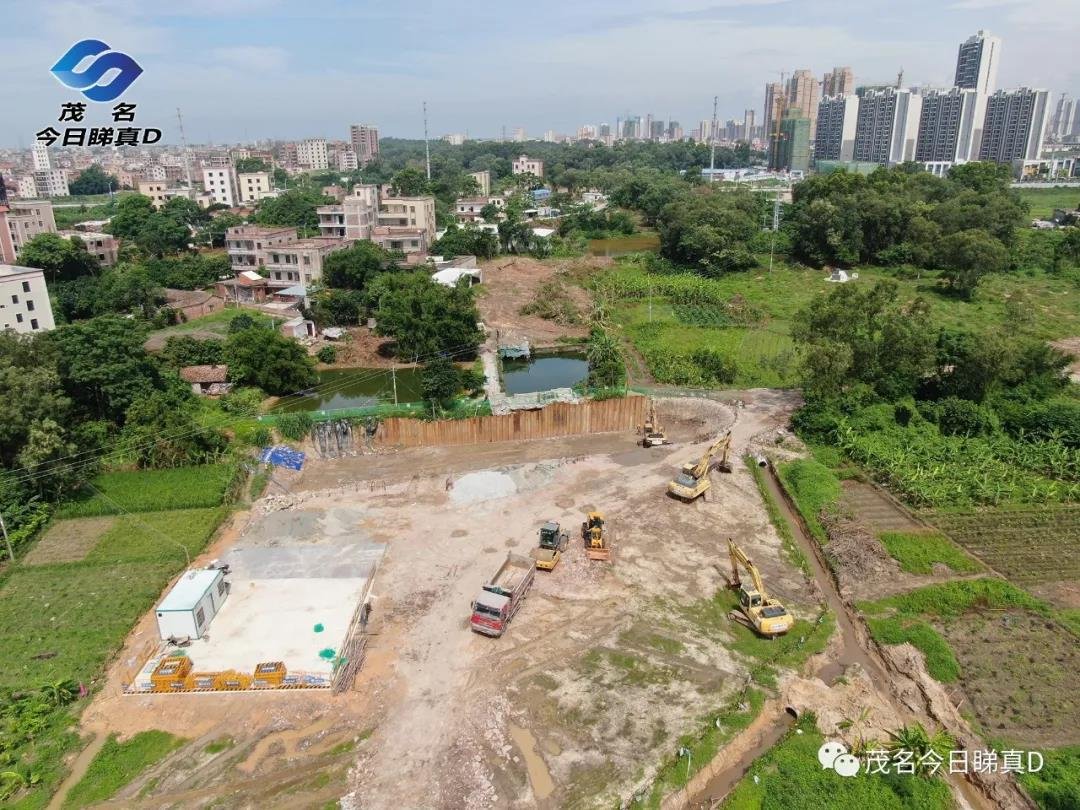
316, 561
277, 620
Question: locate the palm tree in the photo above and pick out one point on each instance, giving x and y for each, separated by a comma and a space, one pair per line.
916, 740
60, 692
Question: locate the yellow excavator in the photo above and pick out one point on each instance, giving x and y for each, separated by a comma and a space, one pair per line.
597, 539
757, 610
652, 434
693, 480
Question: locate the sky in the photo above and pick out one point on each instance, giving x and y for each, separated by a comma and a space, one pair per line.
245, 70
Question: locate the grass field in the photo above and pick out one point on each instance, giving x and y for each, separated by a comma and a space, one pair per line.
152, 490
118, 763
214, 325
64, 615
1043, 201
917, 552
654, 312
790, 776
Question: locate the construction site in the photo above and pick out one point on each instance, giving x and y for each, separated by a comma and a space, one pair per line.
612, 652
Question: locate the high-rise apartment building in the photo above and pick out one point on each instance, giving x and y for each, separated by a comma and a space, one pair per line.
519, 134
947, 126
840, 81
803, 94
365, 142
605, 130
1015, 125
312, 154
748, 125
774, 108
837, 119
25, 220
977, 63
887, 126
253, 186
48, 182
1065, 118
674, 131
792, 153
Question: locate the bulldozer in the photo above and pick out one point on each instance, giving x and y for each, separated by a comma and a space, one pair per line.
652, 434
757, 610
693, 482
597, 538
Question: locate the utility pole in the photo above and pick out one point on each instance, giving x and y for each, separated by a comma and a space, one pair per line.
183, 140
712, 140
427, 147
775, 228
393, 376
7, 542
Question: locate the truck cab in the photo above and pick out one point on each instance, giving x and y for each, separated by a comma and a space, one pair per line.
490, 613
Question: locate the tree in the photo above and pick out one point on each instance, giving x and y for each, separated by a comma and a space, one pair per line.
269, 360
293, 209
861, 334
93, 180
467, 241
43, 457
490, 213
162, 430
440, 382
184, 350
710, 231
213, 234
981, 176
967, 256
409, 182
241, 322
337, 307
1068, 249
425, 318
58, 258
185, 211
128, 288
161, 234
915, 740
132, 212
607, 368
251, 164
354, 267
103, 366
30, 389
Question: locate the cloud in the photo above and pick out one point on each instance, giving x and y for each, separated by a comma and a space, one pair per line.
261, 58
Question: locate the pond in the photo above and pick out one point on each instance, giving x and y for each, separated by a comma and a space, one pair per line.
357, 387
543, 372
623, 245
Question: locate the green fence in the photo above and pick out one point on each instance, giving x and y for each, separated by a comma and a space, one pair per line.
417, 410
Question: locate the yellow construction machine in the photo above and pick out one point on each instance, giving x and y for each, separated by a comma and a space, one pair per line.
757, 610
652, 434
693, 480
597, 538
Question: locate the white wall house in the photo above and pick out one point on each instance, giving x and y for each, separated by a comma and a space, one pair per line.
24, 300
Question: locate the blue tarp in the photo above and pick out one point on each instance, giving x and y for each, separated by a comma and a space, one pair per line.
282, 456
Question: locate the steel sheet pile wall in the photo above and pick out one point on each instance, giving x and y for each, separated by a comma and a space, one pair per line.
558, 419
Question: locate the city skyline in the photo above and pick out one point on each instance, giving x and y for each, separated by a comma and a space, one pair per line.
241, 70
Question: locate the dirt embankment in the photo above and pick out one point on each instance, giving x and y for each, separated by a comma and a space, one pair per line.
511, 283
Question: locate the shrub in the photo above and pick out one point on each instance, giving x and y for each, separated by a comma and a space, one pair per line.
327, 354
294, 426
242, 401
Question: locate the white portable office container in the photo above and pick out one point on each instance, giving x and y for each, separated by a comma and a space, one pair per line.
192, 603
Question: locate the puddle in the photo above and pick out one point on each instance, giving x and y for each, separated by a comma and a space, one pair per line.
539, 776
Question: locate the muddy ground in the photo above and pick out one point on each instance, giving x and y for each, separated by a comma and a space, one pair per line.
513, 282
601, 671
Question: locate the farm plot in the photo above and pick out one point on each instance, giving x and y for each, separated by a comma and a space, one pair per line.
152, 490
1029, 546
1014, 668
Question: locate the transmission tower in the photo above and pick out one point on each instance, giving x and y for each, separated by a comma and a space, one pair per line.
427, 146
187, 153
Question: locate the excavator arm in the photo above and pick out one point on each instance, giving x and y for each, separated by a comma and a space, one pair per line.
702, 467
738, 557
